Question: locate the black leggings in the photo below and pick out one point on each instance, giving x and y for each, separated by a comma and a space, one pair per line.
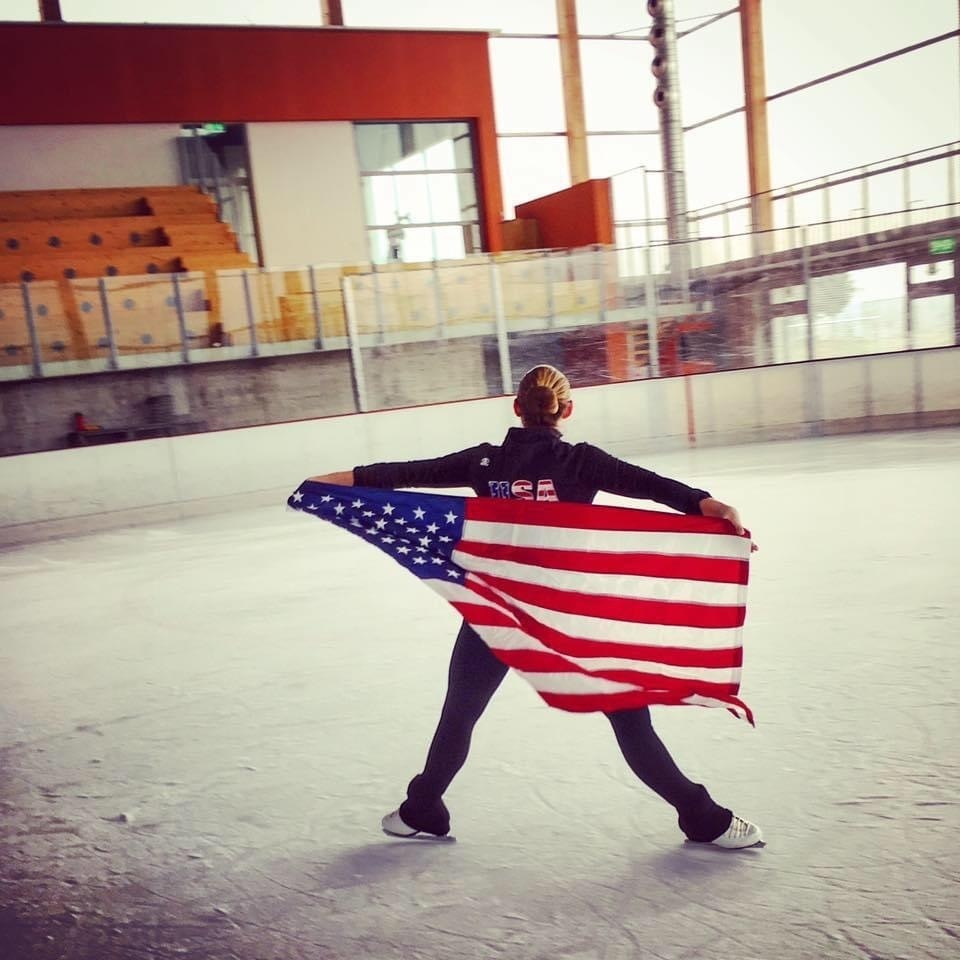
475, 673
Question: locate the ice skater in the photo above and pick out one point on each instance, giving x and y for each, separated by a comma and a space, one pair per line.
534, 462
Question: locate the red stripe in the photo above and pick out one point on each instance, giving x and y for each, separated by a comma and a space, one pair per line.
612, 702
483, 615
589, 516
625, 609
536, 661
582, 648
661, 565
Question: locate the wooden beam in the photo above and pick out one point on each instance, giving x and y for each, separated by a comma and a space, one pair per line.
573, 90
332, 13
50, 11
755, 98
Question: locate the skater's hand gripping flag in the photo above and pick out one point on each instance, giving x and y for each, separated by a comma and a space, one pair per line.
599, 608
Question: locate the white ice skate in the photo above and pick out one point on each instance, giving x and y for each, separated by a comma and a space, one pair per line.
394, 826
741, 833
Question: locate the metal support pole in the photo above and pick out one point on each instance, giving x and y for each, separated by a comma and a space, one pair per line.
727, 253
600, 267
317, 314
181, 319
865, 198
438, 306
952, 163
826, 207
650, 301
791, 217
908, 318
378, 306
808, 290
906, 188
503, 343
251, 316
548, 285
114, 361
353, 338
31, 329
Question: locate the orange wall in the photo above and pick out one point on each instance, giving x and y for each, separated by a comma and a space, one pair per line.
108, 73
576, 217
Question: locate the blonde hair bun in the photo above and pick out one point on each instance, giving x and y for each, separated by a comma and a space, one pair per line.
542, 396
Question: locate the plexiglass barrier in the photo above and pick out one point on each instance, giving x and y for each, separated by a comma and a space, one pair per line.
423, 333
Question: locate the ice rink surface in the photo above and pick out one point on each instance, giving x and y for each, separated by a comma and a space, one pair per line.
202, 722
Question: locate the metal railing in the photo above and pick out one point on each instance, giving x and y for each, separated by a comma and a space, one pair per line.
908, 185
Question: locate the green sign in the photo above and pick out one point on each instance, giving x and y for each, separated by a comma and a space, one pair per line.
214, 128
943, 245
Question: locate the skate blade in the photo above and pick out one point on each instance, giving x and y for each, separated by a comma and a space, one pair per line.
422, 837
713, 846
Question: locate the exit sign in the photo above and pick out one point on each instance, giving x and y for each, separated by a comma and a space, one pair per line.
943, 245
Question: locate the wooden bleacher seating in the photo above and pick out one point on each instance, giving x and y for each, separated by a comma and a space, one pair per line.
55, 240
110, 232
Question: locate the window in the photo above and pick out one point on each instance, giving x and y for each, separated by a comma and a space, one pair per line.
419, 190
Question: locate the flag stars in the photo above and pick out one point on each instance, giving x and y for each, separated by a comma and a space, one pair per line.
312, 506
380, 524
421, 549
425, 541
388, 508
339, 508
437, 560
403, 550
389, 539
354, 522
445, 540
357, 504
419, 560
326, 498
297, 497
454, 574
412, 530
419, 513
368, 513
433, 528
451, 517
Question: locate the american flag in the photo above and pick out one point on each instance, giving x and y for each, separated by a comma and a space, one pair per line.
598, 607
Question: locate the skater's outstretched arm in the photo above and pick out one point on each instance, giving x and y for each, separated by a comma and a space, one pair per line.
343, 478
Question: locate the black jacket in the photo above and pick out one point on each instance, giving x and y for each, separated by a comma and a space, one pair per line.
534, 463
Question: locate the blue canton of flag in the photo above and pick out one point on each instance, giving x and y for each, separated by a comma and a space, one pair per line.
419, 531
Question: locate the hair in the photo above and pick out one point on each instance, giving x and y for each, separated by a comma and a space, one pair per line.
543, 395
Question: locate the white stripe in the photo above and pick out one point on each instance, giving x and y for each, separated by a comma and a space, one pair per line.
574, 683
608, 631
695, 700
512, 638
608, 584
718, 545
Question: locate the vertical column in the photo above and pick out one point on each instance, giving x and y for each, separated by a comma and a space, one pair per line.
755, 99
332, 13
31, 329
50, 11
251, 315
317, 312
503, 343
573, 90
114, 361
353, 337
181, 318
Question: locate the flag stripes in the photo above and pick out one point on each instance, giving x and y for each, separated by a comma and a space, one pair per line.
707, 569
599, 608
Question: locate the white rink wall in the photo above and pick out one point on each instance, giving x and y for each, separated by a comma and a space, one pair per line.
64, 492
